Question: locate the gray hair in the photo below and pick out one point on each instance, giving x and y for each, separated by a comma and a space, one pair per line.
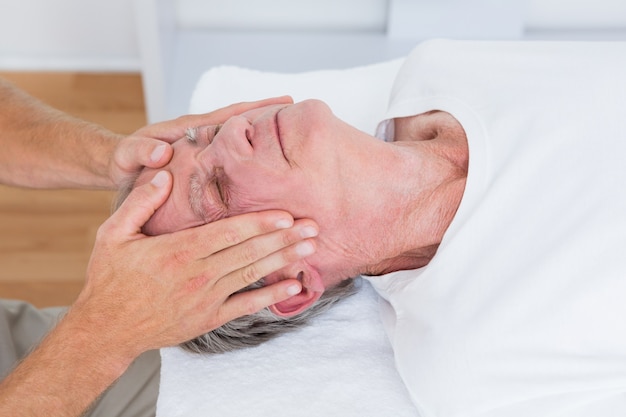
254, 329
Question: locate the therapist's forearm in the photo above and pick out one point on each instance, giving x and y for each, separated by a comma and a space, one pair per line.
41, 147
71, 368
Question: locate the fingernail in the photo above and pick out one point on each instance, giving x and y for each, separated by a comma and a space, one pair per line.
160, 179
284, 224
308, 231
304, 248
294, 289
157, 153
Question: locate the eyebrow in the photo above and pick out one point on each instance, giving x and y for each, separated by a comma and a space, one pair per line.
191, 134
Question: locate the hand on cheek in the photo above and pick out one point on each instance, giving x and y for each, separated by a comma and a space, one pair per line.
149, 292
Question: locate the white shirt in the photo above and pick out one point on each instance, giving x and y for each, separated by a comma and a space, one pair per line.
522, 311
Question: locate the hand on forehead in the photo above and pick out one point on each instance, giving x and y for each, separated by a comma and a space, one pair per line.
184, 207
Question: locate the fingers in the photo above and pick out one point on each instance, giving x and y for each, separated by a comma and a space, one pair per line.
135, 152
222, 234
249, 302
160, 153
150, 147
264, 254
218, 276
225, 113
173, 130
138, 207
238, 108
244, 258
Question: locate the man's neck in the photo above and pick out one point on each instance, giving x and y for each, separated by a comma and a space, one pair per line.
422, 194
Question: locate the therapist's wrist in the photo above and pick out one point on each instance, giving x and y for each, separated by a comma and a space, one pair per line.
72, 366
101, 337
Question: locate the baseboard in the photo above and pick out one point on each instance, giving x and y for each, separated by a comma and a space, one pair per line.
33, 63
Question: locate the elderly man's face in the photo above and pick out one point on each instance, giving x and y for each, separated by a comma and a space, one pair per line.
274, 157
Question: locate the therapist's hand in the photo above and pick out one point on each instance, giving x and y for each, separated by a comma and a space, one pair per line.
150, 292
149, 146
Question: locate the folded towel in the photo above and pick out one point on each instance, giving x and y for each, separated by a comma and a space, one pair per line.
358, 96
341, 364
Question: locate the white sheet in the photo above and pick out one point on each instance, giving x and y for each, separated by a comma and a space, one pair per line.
342, 363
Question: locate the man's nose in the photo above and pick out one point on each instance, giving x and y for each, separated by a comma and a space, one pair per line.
235, 135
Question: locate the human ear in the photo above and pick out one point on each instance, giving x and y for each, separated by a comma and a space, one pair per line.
312, 290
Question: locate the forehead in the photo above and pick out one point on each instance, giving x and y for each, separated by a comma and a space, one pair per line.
175, 213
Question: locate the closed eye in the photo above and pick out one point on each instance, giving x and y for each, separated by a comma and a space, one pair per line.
207, 198
220, 192
219, 185
196, 197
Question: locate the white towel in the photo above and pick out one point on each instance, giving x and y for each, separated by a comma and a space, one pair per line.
341, 364
358, 96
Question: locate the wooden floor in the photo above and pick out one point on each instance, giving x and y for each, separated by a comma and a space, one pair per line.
46, 236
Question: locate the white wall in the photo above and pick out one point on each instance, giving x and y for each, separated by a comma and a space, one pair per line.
68, 35
577, 14
100, 35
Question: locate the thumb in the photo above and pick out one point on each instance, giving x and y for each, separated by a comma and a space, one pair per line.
134, 152
139, 206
